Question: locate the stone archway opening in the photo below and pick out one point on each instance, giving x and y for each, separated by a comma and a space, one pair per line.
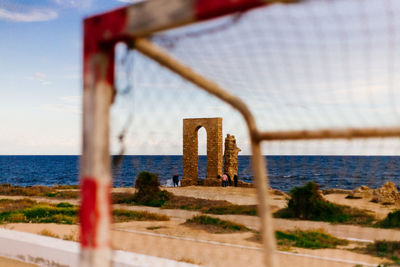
202, 153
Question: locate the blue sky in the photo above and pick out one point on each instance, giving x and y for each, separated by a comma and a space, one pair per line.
317, 65
40, 74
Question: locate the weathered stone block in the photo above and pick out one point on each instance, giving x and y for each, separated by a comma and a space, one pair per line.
212, 182
231, 156
387, 194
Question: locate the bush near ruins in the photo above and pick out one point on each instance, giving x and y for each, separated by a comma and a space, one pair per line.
307, 203
392, 220
148, 191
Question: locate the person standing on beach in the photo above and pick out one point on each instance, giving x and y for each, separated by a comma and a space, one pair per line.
229, 180
175, 180
224, 180
235, 180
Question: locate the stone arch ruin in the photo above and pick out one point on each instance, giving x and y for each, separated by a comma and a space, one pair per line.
213, 127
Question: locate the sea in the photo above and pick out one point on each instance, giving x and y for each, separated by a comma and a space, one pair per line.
284, 172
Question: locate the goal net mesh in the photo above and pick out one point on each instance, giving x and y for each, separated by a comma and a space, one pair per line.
312, 65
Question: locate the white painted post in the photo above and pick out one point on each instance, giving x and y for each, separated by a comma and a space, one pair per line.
95, 173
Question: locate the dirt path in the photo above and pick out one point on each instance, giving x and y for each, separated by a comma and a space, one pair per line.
179, 242
6, 262
381, 211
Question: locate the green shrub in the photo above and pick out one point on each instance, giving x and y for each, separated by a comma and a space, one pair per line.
308, 239
148, 191
392, 220
64, 205
307, 203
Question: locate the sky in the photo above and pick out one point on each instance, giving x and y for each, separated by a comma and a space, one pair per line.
40, 74
317, 65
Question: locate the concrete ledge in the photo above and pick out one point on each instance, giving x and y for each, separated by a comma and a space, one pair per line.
48, 251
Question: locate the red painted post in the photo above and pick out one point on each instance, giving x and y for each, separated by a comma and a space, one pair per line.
95, 173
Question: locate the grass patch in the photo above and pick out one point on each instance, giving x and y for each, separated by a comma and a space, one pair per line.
187, 260
29, 211
208, 206
64, 187
25, 210
39, 191
7, 205
65, 194
49, 233
384, 249
64, 205
215, 225
69, 237
233, 209
316, 239
155, 227
148, 194
121, 215
122, 198
307, 203
308, 239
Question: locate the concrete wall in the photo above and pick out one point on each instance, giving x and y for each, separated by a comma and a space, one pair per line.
48, 251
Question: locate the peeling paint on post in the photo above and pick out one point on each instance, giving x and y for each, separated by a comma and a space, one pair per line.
95, 173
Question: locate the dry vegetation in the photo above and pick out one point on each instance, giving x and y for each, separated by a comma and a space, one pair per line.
215, 225
62, 192
389, 250
307, 203
312, 239
30, 211
209, 206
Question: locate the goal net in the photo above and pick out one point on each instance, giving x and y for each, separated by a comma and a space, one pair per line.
307, 88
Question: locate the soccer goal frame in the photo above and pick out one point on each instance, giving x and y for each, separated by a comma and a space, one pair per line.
132, 24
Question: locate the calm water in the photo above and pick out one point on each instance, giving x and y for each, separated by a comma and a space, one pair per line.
284, 171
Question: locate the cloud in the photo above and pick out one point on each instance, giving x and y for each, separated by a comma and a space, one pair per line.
129, 1
40, 77
73, 99
74, 3
33, 15
68, 104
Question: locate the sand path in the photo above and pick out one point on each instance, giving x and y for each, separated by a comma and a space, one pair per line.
182, 243
176, 241
5, 262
